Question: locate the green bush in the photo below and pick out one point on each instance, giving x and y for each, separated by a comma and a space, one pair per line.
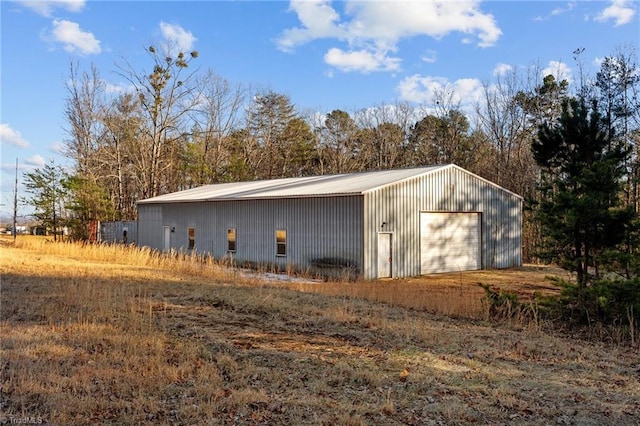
606, 305
605, 302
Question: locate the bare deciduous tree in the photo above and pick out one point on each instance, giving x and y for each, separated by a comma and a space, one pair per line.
165, 97
507, 126
216, 114
120, 154
83, 106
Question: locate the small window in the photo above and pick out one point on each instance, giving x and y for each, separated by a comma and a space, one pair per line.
281, 242
231, 240
192, 238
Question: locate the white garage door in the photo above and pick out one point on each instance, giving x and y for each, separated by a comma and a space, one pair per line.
449, 242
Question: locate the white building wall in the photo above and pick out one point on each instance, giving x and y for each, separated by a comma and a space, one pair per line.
326, 229
343, 229
150, 225
449, 190
113, 232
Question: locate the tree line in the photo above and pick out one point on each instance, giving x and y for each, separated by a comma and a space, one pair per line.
178, 127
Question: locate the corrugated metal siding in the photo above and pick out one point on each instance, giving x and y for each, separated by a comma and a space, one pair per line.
150, 225
310, 186
450, 189
317, 228
113, 232
344, 227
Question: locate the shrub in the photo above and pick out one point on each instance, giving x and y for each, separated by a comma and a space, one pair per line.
506, 306
610, 303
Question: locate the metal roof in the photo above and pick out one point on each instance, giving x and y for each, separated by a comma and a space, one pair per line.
312, 186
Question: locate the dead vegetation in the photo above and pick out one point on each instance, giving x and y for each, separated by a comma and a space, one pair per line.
450, 294
87, 339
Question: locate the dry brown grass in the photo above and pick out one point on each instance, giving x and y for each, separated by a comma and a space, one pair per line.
88, 339
451, 294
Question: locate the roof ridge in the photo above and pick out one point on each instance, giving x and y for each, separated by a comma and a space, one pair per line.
344, 184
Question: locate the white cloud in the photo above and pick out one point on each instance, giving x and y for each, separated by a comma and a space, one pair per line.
378, 26
361, 60
430, 57
178, 37
568, 7
7, 185
73, 38
47, 7
319, 20
559, 70
35, 161
117, 88
425, 90
560, 10
59, 148
598, 61
621, 11
9, 136
502, 69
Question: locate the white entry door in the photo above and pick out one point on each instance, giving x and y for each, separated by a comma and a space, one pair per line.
449, 242
385, 260
167, 238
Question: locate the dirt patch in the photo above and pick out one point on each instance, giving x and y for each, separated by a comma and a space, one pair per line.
524, 281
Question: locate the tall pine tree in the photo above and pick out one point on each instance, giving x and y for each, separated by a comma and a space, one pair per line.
582, 172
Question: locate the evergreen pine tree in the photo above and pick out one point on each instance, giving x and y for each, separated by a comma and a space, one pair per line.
582, 171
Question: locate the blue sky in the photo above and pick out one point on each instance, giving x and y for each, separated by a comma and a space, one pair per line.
324, 55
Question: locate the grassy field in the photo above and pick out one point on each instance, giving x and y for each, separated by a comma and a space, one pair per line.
112, 335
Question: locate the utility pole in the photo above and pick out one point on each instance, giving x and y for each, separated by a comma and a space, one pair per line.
15, 205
